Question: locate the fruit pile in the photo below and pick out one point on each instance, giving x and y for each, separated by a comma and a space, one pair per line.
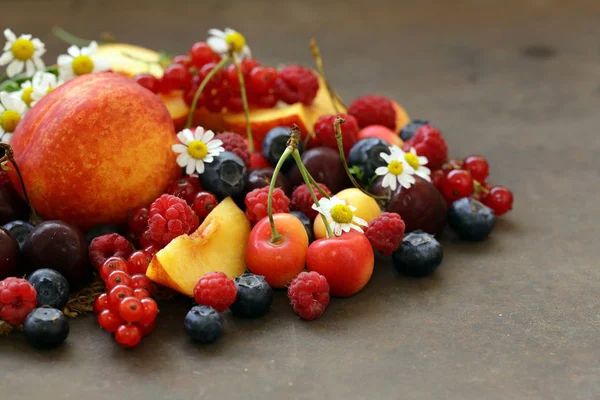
304, 196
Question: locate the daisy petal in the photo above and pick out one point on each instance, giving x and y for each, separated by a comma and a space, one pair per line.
216, 32
179, 148
337, 230
191, 166
39, 63
198, 133
208, 159
6, 58
213, 144
208, 136
182, 159
359, 221
388, 158
423, 160
392, 182
357, 228
218, 45
382, 171
29, 67
199, 166
74, 51
187, 134
100, 65
14, 68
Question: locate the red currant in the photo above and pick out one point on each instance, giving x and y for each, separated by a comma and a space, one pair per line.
146, 329
437, 179
478, 167
117, 278
183, 189
247, 65
194, 180
139, 281
267, 101
214, 104
189, 95
261, 80
138, 221
152, 249
110, 320
452, 165
201, 54
150, 310
458, 184
182, 59
499, 199
234, 103
141, 294
214, 82
138, 262
101, 303
203, 204
231, 77
131, 309
117, 294
128, 335
146, 239
148, 81
175, 77
113, 264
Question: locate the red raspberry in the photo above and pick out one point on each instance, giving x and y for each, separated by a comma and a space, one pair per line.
215, 290
17, 299
235, 143
296, 84
386, 232
429, 142
106, 246
325, 133
302, 200
309, 295
373, 110
170, 217
256, 203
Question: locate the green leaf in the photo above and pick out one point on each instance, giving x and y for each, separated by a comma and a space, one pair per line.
9, 86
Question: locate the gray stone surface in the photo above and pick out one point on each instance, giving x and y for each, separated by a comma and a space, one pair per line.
514, 317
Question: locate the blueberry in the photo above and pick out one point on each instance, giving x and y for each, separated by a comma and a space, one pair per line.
409, 130
254, 296
470, 219
225, 176
52, 288
275, 143
101, 230
419, 254
46, 327
204, 324
365, 155
307, 224
19, 230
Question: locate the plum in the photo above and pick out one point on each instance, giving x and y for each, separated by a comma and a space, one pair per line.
325, 165
11, 206
9, 249
261, 177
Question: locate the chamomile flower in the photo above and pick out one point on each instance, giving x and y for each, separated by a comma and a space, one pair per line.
80, 61
40, 85
222, 42
196, 149
339, 215
417, 164
397, 171
22, 53
12, 110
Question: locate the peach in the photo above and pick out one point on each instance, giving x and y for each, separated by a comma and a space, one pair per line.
381, 132
94, 149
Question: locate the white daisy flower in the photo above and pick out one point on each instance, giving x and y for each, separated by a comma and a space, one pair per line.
223, 41
22, 53
80, 61
397, 170
12, 110
40, 85
417, 164
339, 215
196, 149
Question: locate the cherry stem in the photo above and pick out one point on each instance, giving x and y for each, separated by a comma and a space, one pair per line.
338, 137
275, 236
244, 102
333, 96
208, 77
9, 155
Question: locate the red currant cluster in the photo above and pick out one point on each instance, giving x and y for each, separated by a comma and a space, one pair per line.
467, 178
265, 86
126, 309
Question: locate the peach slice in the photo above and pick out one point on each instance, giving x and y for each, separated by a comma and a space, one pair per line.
402, 117
130, 60
219, 244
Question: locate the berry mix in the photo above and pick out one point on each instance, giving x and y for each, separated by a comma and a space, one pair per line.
303, 201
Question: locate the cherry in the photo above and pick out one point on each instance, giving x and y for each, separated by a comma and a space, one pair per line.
261, 80
141, 294
113, 264
139, 281
183, 189
201, 54
175, 77
117, 294
499, 199
203, 204
131, 309
146, 329
101, 303
117, 278
458, 184
149, 311
193, 179
214, 82
478, 167
138, 262
148, 81
110, 320
138, 221
128, 335
182, 59
152, 249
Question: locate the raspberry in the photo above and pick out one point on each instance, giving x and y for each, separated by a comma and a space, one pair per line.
215, 290
256, 203
235, 143
106, 246
429, 142
325, 133
309, 295
17, 299
296, 84
303, 202
373, 110
386, 232
170, 217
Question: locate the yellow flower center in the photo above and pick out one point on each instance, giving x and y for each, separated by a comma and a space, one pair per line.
26, 96
412, 160
22, 49
341, 214
82, 65
50, 88
9, 120
236, 41
396, 167
197, 149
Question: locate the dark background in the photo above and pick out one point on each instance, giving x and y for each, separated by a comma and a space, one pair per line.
514, 317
